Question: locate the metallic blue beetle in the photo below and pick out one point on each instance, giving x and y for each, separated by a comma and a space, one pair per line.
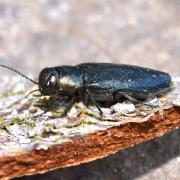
101, 82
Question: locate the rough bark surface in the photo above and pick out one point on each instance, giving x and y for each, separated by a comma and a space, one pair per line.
90, 147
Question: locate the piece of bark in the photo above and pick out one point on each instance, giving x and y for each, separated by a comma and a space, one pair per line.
84, 147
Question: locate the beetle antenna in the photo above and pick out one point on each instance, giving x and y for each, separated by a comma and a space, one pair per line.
14, 70
32, 92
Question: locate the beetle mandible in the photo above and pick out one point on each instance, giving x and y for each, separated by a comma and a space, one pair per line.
100, 82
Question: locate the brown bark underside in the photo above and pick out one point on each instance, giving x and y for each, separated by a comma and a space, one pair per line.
90, 147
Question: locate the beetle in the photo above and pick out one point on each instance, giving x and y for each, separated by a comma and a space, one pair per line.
100, 82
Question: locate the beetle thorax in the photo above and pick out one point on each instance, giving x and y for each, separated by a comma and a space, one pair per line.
67, 81
70, 79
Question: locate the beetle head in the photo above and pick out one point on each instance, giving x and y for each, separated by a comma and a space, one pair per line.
49, 81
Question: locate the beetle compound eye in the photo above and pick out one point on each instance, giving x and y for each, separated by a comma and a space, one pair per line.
51, 81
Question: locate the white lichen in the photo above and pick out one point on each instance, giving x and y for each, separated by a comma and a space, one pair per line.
176, 102
124, 107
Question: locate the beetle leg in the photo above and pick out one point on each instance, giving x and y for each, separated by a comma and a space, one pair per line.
130, 97
69, 105
93, 101
135, 100
57, 102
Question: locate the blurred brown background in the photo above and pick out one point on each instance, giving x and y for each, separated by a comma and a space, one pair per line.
36, 34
